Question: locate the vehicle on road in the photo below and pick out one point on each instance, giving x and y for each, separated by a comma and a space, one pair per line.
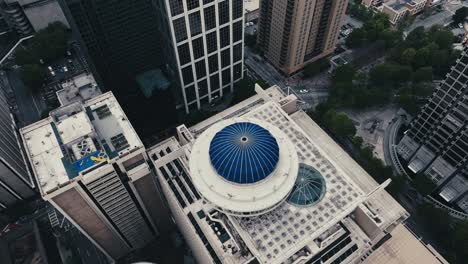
303, 91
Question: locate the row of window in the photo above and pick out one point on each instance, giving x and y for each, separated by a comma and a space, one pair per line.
195, 24
225, 12
190, 92
213, 65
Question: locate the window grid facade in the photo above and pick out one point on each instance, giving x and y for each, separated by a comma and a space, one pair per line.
213, 33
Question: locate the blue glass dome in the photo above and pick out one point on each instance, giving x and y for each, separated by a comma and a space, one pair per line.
244, 153
309, 188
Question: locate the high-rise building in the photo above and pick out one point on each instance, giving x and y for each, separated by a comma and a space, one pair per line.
27, 16
120, 37
204, 47
16, 182
261, 182
92, 167
293, 33
436, 143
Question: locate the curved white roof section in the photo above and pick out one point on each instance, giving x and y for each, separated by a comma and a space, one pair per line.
244, 199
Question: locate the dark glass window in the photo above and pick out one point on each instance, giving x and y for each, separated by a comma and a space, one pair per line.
210, 17
184, 53
200, 69
237, 31
237, 8
211, 42
225, 58
213, 63
223, 12
179, 29
202, 88
190, 93
187, 74
191, 4
176, 7
224, 35
226, 76
237, 71
237, 52
207, 1
214, 82
198, 50
195, 23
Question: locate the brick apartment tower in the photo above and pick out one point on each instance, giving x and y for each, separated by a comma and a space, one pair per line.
293, 33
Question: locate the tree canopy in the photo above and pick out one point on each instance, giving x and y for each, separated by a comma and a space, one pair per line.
339, 123
33, 76
460, 15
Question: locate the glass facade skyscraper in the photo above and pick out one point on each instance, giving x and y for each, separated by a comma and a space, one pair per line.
436, 143
205, 39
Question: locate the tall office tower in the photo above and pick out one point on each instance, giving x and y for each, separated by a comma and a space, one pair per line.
120, 37
293, 33
16, 183
436, 143
261, 182
204, 47
92, 167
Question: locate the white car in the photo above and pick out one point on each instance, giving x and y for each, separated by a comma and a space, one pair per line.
460, 25
303, 91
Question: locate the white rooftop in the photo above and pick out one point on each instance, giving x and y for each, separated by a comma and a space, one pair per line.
53, 144
78, 89
241, 198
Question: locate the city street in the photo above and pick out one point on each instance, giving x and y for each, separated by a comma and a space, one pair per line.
316, 87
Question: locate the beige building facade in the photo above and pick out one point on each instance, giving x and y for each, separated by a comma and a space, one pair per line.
297, 32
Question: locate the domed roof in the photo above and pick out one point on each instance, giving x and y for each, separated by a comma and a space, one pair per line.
244, 153
309, 187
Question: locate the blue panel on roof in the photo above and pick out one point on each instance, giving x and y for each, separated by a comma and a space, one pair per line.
244, 153
309, 188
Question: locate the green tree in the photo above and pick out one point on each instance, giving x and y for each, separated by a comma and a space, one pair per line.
460, 15
339, 123
357, 141
25, 56
344, 73
423, 74
316, 67
423, 184
441, 36
33, 76
357, 38
408, 56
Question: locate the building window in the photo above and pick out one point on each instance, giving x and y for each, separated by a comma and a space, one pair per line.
191, 4
184, 53
211, 42
213, 63
224, 35
190, 93
225, 58
237, 8
226, 76
223, 12
207, 1
214, 82
237, 31
202, 88
180, 31
176, 7
200, 69
237, 71
210, 17
195, 23
198, 50
237, 52
187, 75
